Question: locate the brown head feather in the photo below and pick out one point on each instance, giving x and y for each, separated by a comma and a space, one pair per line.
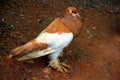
73, 22
67, 11
66, 23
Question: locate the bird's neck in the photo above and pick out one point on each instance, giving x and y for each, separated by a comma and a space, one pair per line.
73, 23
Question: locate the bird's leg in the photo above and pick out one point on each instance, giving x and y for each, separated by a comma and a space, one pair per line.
56, 64
60, 66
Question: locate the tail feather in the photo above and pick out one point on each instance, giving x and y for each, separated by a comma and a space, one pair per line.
37, 53
28, 47
17, 50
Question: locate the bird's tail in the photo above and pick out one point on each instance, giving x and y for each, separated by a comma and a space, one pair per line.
37, 53
22, 49
28, 47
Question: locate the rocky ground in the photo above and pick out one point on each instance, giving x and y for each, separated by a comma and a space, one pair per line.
93, 55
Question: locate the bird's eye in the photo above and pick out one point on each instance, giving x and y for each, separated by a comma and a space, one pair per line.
74, 12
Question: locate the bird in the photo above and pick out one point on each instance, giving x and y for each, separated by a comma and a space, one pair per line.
52, 40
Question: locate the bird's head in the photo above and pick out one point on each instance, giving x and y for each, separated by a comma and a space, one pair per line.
71, 11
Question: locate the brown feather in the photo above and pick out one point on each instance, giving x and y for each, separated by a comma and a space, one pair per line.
66, 23
28, 47
57, 26
73, 23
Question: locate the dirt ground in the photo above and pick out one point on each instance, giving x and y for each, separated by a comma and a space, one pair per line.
93, 55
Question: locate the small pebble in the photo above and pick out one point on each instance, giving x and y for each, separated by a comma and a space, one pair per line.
87, 32
2, 20
21, 15
90, 36
93, 28
11, 25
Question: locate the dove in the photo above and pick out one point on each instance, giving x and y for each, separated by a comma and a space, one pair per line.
52, 40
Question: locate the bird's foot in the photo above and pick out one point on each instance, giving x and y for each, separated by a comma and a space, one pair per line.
61, 67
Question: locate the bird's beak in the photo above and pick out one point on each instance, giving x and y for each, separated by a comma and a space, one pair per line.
77, 14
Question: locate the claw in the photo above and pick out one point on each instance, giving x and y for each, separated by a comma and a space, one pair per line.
61, 67
66, 65
64, 69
